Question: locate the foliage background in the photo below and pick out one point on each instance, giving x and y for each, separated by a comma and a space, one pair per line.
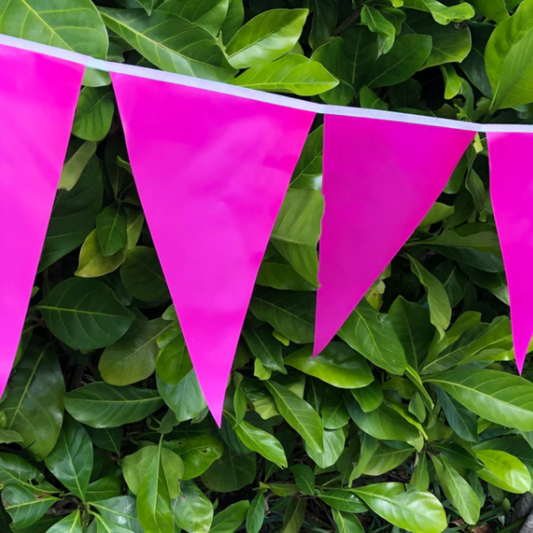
103, 425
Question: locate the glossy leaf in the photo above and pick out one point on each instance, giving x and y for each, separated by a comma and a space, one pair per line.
208, 14
193, 511
337, 365
290, 74
93, 263
299, 415
142, 275
71, 460
266, 37
406, 57
420, 512
496, 396
85, 313
374, 338
504, 471
255, 515
103, 406
228, 520
170, 42
34, 406
197, 454
132, 358
297, 229
94, 114
111, 228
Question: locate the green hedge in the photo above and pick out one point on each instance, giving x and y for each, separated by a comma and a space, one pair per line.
103, 424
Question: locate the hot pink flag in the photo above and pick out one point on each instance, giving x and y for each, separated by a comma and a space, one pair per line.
38, 96
380, 180
511, 190
212, 170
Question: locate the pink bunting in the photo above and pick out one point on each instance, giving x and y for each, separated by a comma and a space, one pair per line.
511, 190
38, 96
380, 180
211, 170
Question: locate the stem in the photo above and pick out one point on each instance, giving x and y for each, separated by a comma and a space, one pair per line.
348, 22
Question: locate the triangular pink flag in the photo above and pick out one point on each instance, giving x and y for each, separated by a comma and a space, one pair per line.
212, 170
380, 179
511, 191
38, 96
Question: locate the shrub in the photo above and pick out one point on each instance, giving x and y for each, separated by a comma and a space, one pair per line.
106, 429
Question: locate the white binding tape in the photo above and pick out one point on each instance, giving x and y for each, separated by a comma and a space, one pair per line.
260, 96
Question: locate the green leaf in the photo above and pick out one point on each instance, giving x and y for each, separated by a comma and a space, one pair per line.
333, 447
442, 14
347, 523
337, 365
349, 58
266, 37
57, 23
369, 398
104, 525
132, 358
290, 74
94, 113
419, 512
462, 421
385, 458
104, 488
332, 409
259, 441
197, 454
173, 362
502, 55
457, 490
142, 276
440, 311
308, 171
504, 471
85, 313
73, 215
231, 472
472, 345
343, 500
377, 23
92, 263
120, 510
299, 415
192, 510
14, 469
324, 22
370, 100
208, 14
103, 406
228, 520
24, 505
34, 405
160, 483
170, 42
255, 515
375, 339
412, 325
276, 272
451, 43
234, 20
290, 313
185, 398
304, 478
71, 461
496, 396
264, 347
107, 439
382, 423
294, 516
75, 165
111, 228
70, 524
406, 57
492, 9
297, 229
